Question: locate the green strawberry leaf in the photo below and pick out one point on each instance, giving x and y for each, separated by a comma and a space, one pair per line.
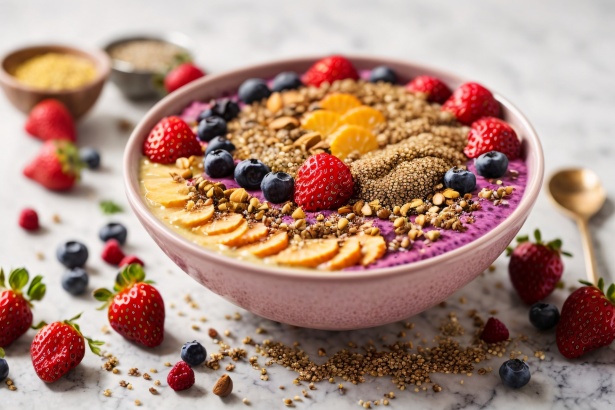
524, 238
37, 289
509, 250
129, 275
601, 284
18, 279
2, 285
40, 325
109, 207
102, 294
585, 282
1, 353
68, 155
94, 345
568, 254
149, 282
538, 236
610, 293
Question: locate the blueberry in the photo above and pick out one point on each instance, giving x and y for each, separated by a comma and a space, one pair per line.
225, 108
278, 187
113, 230
515, 373
491, 164
220, 142
211, 127
544, 316
75, 281
219, 164
193, 353
72, 254
461, 180
250, 173
90, 156
383, 74
4, 369
287, 80
253, 90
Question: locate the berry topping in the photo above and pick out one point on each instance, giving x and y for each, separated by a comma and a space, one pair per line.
72, 254
515, 373
75, 281
219, 164
470, 102
169, 140
113, 230
211, 127
129, 260
494, 331
492, 134
4, 366
181, 377
28, 219
250, 173
193, 353
278, 187
323, 182
433, 87
383, 74
225, 108
50, 120
112, 252
90, 157
181, 75
287, 80
220, 142
330, 69
492, 164
544, 316
461, 180
252, 90
56, 167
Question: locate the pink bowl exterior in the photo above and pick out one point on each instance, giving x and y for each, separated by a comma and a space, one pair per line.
328, 300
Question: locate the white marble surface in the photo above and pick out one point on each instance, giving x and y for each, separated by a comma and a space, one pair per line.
551, 58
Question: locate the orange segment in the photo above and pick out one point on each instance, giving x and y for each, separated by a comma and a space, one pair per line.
321, 121
256, 233
366, 117
189, 219
310, 255
350, 138
339, 102
271, 246
226, 224
372, 248
349, 255
225, 238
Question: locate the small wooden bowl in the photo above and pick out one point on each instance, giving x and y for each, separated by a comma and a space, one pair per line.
78, 100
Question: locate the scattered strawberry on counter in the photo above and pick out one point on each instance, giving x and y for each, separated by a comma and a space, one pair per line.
57, 166
51, 120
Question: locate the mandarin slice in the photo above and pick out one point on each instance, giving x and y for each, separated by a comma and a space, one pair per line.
256, 233
339, 102
189, 219
322, 121
350, 138
349, 255
225, 224
225, 238
166, 192
271, 246
311, 254
372, 248
364, 116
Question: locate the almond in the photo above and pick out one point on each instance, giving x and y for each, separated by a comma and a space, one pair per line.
284, 122
308, 140
274, 103
224, 386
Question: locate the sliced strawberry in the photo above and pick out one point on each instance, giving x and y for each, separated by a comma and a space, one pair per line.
492, 134
328, 70
57, 166
435, 88
51, 120
323, 182
169, 140
470, 102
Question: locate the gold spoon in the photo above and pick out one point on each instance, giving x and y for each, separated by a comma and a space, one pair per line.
578, 193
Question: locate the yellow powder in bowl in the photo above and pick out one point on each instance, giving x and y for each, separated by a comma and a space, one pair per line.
55, 71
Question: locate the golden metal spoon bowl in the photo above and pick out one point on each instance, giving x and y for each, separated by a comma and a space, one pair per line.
578, 193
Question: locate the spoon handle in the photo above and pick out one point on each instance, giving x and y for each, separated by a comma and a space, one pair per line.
588, 251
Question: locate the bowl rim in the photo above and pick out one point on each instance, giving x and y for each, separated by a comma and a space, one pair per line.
132, 186
98, 57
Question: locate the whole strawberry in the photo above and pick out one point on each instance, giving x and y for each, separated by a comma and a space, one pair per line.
169, 140
50, 120
535, 267
435, 88
587, 321
136, 311
59, 347
181, 376
330, 69
181, 75
323, 182
492, 134
470, 102
57, 166
15, 309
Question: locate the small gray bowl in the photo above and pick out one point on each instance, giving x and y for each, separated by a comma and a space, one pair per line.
138, 84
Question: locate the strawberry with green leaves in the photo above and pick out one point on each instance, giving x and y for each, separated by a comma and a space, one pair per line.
136, 310
587, 321
15, 307
59, 347
57, 166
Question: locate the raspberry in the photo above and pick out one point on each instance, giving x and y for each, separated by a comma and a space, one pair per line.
494, 331
112, 252
28, 219
181, 376
130, 259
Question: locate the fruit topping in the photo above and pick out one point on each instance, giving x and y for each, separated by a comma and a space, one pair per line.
323, 182
255, 233
225, 108
249, 173
494, 331
349, 255
339, 102
51, 120
28, 219
229, 238
287, 80
310, 254
90, 157
544, 316
193, 218
56, 167
113, 230
129, 260
363, 116
492, 134
492, 164
372, 248
72, 254
166, 192
271, 246
461, 180
220, 142
181, 376
211, 127
181, 75
278, 187
349, 139
219, 164
322, 121
433, 87
112, 252
382, 74
75, 281
515, 373
193, 353
253, 90
170, 140
330, 69
470, 102
226, 224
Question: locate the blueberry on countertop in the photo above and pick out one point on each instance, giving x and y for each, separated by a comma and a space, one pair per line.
90, 157
287, 80
278, 187
113, 230
210, 128
492, 164
75, 281
249, 173
4, 367
219, 163
383, 74
225, 108
72, 254
461, 180
253, 90
544, 316
193, 353
220, 142
515, 373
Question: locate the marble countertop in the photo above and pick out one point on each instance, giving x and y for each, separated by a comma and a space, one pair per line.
553, 59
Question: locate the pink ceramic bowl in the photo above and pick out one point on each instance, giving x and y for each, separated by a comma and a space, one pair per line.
328, 300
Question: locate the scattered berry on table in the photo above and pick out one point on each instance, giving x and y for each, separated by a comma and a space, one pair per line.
383, 74
225, 108
220, 142
461, 180
170, 139
219, 164
28, 219
181, 75
278, 187
193, 353
287, 80
113, 230
211, 127
515, 373
492, 164
252, 90
330, 69
492, 134
112, 252
181, 376
470, 102
56, 167
494, 331
75, 281
130, 259
249, 173
4, 366
90, 157
72, 254
51, 120
433, 87
323, 182
544, 316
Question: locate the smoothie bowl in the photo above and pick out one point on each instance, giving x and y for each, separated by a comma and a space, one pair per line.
333, 195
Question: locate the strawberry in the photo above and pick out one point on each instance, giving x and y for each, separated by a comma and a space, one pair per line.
59, 347
130, 259
15, 309
323, 182
50, 120
28, 219
494, 331
57, 166
181, 75
181, 376
136, 311
535, 268
328, 70
435, 88
112, 252
492, 134
470, 102
587, 321
169, 140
